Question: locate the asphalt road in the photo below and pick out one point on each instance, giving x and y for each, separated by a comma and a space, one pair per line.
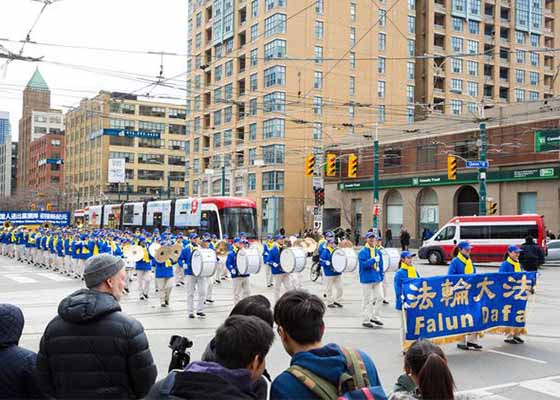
500, 371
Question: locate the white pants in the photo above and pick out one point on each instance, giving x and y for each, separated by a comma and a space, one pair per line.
198, 284
281, 280
179, 273
67, 264
386, 285
336, 282
165, 286
129, 271
19, 251
268, 274
144, 279
372, 299
241, 289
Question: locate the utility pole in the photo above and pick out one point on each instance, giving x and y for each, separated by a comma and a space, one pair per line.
223, 179
168, 186
375, 177
482, 171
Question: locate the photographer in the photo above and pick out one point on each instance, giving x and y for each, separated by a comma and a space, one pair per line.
239, 364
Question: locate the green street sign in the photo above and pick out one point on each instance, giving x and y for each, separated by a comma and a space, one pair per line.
547, 140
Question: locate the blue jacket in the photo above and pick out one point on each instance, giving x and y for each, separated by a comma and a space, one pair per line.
17, 369
507, 267
68, 247
38, 239
400, 276
60, 247
326, 262
186, 257
456, 267
231, 264
266, 249
273, 260
143, 265
328, 362
370, 270
163, 270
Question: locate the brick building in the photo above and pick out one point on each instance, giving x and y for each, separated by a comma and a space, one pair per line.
47, 165
414, 190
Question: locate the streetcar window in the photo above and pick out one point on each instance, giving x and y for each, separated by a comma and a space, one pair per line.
236, 220
209, 223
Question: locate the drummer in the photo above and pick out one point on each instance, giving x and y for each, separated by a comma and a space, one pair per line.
371, 278
207, 244
241, 287
281, 278
267, 245
194, 283
334, 278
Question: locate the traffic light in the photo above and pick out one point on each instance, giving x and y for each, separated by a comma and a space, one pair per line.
331, 164
316, 192
451, 167
352, 166
319, 196
309, 165
492, 208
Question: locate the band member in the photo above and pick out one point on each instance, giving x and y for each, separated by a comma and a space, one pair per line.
68, 254
164, 279
267, 245
371, 278
281, 278
462, 265
144, 270
59, 255
240, 282
511, 264
194, 283
333, 278
406, 271
207, 244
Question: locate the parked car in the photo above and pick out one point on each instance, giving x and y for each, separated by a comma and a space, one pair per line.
553, 255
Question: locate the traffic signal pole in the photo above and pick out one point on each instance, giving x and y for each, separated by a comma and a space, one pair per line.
482, 171
375, 177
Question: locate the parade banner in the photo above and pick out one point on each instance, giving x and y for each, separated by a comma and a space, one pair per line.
35, 217
444, 309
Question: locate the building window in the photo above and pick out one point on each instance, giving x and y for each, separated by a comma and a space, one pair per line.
410, 94
318, 80
273, 128
472, 46
520, 56
270, 4
255, 8
474, 27
381, 65
467, 149
519, 37
382, 21
318, 54
353, 11
317, 131
457, 44
519, 95
457, 85
527, 203
254, 32
535, 40
533, 96
519, 76
426, 154
275, 49
253, 84
198, 40
472, 89
275, 24
251, 182
457, 65
411, 44
228, 111
382, 41
352, 85
273, 154
381, 89
227, 137
472, 68
534, 58
275, 76
352, 60
317, 105
253, 107
411, 24
319, 7
252, 132
457, 24
456, 107
352, 36
319, 30
217, 140
391, 158
177, 129
273, 181
253, 56
410, 115
228, 68
410, 70
381, 114
274, 102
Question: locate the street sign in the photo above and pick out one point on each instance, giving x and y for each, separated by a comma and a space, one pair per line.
547, 140
477, 164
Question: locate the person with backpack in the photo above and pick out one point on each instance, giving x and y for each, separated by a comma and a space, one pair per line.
427, 375
239, 364
318, 371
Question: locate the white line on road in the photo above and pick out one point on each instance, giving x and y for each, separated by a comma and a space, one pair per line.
516, 356
54, 277
548, 387
20, 279
486, 395
511, 384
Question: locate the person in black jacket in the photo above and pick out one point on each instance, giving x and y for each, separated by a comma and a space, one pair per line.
17, 365
92, 349
405, 239
531, 256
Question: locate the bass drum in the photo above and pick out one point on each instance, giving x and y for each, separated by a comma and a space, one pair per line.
293, 259
344, 260
391, 258
248, 261
204, 262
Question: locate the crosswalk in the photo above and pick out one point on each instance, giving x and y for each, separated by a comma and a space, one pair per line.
544, 388
35, 277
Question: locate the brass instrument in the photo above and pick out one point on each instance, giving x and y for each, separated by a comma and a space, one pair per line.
163, 253
175, 251
222, 248
311, 245
8, 225
134, 253
46, 225
346, 244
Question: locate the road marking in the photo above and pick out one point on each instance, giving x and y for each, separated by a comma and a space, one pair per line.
20, 279
511, 384
517, 356
547, 387
54, 277
486, 395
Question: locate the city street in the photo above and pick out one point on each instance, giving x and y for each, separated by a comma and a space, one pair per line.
501, 371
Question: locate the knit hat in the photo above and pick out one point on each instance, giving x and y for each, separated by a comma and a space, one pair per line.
101, 267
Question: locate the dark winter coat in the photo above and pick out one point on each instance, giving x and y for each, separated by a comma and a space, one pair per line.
17, 365
93, 350
531, 257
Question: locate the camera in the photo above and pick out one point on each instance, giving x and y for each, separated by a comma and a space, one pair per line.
180, 357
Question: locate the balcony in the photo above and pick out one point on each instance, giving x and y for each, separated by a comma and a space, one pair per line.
504, 61
506, 3
438, 7
489, 19
504, 82
489, 39
488, 59
548, 89
439, 27
504, 41
439, 50
488, 79
504, 22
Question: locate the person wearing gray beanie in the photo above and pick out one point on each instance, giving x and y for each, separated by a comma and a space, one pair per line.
106, 273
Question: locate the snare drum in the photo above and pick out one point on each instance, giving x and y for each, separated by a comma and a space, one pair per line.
391, 258
344, 260
203, 262
248, 261
293, 259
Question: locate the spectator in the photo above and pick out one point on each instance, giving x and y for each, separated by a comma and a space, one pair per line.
241, 346
258, 306
427, 375
388, 238
299, 316
92, 349
405, 239
17, 365
531, 256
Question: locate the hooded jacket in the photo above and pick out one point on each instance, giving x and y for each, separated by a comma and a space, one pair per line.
328, 362
93, 350
205, 380
17, 365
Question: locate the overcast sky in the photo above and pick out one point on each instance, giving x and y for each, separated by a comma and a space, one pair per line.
142, 25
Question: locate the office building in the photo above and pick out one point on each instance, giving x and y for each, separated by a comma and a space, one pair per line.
149, 136
5, 155
46, 171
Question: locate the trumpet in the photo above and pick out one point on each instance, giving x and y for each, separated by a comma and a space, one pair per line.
8, 225
46, 225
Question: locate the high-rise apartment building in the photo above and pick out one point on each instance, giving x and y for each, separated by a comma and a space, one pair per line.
5, 155
148, 136
46, 174
270, 81
502, 52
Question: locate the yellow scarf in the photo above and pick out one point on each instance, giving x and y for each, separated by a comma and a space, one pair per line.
516, 266
168, 263
95, 249
410, 270
372, 255
469, 269
146, 258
